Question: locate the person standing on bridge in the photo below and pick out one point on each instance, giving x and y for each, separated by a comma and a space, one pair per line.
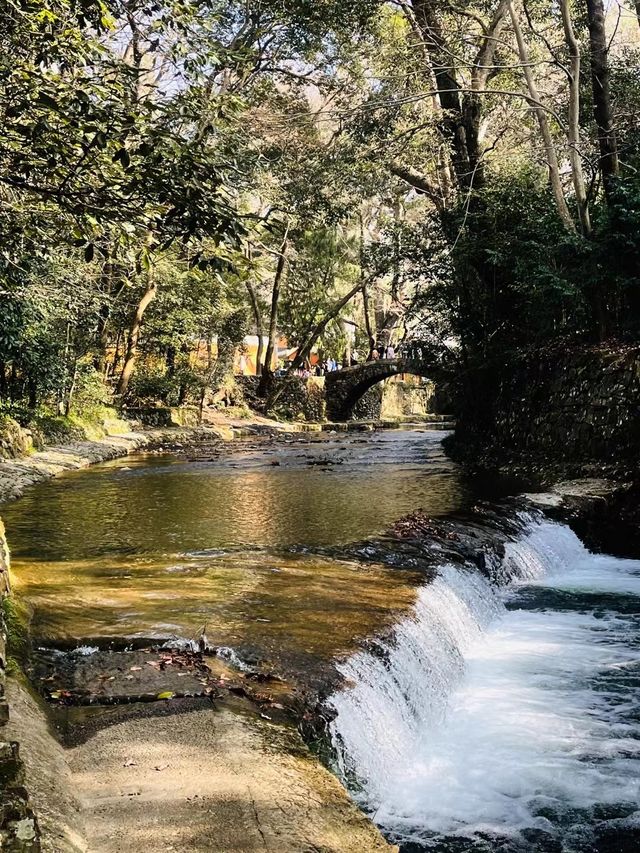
390, 352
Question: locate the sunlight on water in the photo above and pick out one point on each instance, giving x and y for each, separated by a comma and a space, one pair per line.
479, 721
160, 547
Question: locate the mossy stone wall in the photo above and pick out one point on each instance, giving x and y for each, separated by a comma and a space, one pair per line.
575, 411
18, 825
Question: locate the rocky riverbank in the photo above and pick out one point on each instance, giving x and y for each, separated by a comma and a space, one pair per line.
553, 414
18, 474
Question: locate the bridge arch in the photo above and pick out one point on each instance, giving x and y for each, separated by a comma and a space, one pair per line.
343, 388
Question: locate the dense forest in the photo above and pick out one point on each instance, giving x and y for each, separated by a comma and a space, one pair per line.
173, 173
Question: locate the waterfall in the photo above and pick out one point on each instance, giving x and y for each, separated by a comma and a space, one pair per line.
498, 710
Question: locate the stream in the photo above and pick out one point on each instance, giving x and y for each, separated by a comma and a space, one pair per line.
473, 717
240, 543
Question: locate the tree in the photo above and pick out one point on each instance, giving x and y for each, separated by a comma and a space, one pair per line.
602, 109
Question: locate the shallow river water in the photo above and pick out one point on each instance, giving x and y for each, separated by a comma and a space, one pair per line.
162, 546
484, 719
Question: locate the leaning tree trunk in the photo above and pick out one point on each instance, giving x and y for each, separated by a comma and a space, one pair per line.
134, 335
600, 79
573, 132
367, 319
312, 337
543, 122
365, 294
102, 333
267, 372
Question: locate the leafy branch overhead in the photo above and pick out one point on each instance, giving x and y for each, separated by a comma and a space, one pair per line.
340, 175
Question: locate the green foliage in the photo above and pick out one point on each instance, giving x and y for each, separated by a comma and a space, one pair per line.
154, 158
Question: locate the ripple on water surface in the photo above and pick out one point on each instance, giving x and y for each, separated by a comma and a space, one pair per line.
160, 546
313, 492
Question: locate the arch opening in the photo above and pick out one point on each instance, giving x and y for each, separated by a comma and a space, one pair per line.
344, 388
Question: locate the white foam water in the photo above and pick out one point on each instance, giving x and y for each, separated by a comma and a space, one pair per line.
482, 717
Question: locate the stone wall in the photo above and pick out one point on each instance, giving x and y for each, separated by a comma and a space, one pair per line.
406, 400
298, 399
369, 406
15, 441
164, 416
18, 826
565, 411
395, 400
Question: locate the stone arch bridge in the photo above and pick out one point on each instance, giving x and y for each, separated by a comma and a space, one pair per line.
343, 388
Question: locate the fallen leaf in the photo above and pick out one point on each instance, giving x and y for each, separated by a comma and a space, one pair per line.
161, 766
167, 694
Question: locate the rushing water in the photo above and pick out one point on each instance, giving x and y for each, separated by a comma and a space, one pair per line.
504, 720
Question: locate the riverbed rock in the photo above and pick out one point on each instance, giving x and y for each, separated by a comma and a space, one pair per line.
229, 782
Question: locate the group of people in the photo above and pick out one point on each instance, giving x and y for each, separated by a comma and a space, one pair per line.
382, 352
329, 365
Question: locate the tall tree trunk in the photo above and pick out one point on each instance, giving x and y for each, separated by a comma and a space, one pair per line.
32, 390
637, 4
311, 337
13, 381
600, 79
102, 337
112, 283
72, 388
574, 120
257, 318
461, 123
134, 335
367, 319
183, 389
543, 122
267, 371
170, 360
112, 366
365, 293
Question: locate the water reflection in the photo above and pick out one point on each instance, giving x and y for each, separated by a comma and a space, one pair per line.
160, 547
